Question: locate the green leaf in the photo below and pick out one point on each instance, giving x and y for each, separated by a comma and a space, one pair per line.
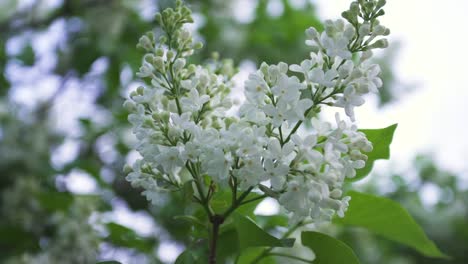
199, 229
192, 220
185, 258
55, 201
123, 236
187, 190
249, 208
381, 140
113, 76
7, 9
251, 254
228, 245
27, 55
251, 235
389, 219
221, 201
4, 83
14, 240
272, 221
328, 250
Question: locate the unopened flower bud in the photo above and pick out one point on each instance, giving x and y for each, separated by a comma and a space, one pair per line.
158, 18
159, 64
215, 123
369, 6
149, 58
354, 8
162, 39
380, 4
386, 32
145, 43
170, 55
192, 68
367, 148
339, 24
186, 11
164, 117
213, 77
148, 122
345, 70
129, 105
330, 28
159, 52
223, 88
140, 90
179, 64
348, 15
379, 30
380, 13
172, 106
204, 79
336, 193
349, 32
312, 33
264, 68
156, 117
364, 30
146, 167
167, 12
150, 35
273, 71
366, 55
362, 88
127, 169
356, 155
198, 45
379, 44
226, 103
184, 35
228, 121
359, 164
283, 67
205, 122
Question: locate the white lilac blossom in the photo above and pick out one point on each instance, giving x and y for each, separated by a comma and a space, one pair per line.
183, 133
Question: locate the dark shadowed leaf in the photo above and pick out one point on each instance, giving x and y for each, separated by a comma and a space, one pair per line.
55, 201
185, 258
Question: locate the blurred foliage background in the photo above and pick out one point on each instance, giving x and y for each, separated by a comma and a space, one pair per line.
65, 69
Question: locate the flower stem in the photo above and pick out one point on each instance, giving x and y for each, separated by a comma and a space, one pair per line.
237, 202
216, 221
254, 199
